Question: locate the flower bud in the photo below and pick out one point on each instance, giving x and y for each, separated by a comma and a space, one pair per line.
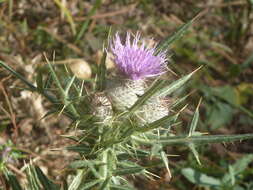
102, 108
123, 93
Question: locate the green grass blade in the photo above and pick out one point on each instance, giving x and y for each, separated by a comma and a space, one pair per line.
68, 15
29, 84
39, 82
100, 86
69, 86
19, 76
87, 22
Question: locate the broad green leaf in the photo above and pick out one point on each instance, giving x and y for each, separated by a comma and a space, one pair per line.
219, 114
242, 163
199, 178
238, 167
227, 93
237, 69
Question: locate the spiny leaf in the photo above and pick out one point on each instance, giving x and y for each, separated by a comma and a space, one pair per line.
12, 180
81, 148
33, 180
105, 184
69, 85
165, 120
128, 171
166, 162
195, 152
120, 187
45, 182
29, 84
176, 84
64, 97
90, 184
175, 36
77, 181
179, 140
199, 178
84, 163
194, 120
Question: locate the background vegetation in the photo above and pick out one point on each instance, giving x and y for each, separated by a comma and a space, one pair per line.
220, 40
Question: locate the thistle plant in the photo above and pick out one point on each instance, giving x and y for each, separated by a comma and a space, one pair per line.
124, 119
136, 62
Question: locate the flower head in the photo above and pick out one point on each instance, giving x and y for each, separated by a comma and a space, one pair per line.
135, 60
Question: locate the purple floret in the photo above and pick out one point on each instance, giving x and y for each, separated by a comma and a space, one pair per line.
135, 60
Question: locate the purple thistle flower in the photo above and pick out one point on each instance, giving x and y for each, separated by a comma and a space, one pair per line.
135, 60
